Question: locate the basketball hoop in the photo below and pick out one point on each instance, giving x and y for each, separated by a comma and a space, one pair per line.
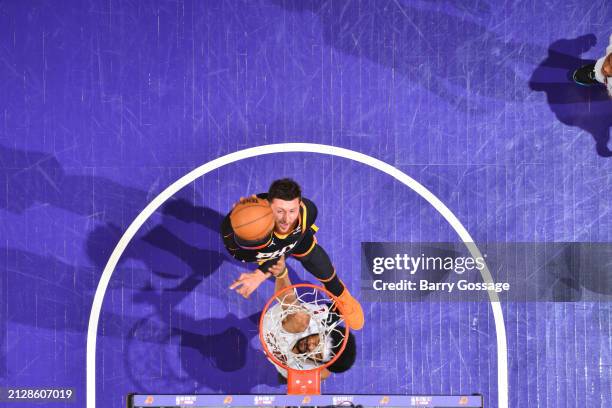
303, 369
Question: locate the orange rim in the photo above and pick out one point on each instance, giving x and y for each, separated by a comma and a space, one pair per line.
265, 346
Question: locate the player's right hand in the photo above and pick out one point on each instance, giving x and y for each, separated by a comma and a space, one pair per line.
278, 267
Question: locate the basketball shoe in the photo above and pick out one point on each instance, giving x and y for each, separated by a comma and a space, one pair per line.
585, 75
351, 310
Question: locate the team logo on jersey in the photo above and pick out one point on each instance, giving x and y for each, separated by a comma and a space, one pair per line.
275, 254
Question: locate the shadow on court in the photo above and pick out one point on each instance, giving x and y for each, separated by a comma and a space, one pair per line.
451, 55
588, 108
197, 355
169, 258
577, 267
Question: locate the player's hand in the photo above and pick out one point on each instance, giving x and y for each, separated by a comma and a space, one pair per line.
278, 267
244, 198
248, 282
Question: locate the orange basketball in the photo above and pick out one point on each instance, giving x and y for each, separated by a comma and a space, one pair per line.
252, 219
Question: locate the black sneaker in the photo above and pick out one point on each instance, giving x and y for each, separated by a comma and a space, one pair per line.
585, 75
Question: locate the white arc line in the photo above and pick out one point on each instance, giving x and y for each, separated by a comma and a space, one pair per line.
94, 317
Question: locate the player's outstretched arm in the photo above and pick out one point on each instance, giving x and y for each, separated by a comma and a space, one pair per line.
279, 271
249, 281
297, 321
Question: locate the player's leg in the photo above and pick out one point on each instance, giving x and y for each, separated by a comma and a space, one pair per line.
317, 262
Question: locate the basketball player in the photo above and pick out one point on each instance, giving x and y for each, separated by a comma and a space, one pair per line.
299, 337
597, 73
293, 233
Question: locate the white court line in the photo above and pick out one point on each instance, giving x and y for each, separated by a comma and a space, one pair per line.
94, 317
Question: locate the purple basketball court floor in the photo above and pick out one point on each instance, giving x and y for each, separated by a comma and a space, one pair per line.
104, 104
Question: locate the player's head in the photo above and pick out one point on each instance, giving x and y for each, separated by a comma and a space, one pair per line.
310, 344
285, 196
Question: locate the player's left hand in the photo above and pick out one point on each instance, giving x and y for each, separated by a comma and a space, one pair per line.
248, 282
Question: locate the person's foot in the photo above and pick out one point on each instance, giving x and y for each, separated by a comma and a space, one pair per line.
351, 310
585, 75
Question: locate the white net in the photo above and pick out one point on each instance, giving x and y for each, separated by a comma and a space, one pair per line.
319, 316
